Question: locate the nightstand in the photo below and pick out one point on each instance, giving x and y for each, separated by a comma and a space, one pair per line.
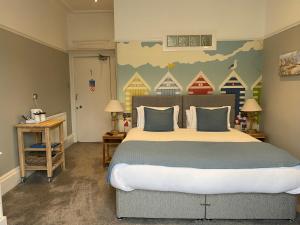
259, 135
109, 140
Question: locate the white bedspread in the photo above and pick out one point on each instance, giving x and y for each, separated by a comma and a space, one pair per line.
202, 181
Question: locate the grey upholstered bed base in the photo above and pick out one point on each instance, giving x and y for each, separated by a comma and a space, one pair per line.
156, 204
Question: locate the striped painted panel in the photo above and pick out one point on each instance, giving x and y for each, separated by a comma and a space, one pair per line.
200, 86
239, 99
168, 85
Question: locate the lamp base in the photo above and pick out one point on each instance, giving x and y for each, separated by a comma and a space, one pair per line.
114, 120
114, 132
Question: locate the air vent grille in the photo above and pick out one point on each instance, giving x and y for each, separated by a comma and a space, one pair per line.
189, 42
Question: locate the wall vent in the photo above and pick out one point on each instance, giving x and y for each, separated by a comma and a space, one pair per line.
189, 42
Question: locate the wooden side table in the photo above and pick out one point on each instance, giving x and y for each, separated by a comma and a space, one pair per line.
259, 135
108, 140
40, 129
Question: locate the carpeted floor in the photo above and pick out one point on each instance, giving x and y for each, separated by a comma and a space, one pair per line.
80, 196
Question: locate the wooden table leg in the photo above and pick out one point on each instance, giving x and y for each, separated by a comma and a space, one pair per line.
62, 146
21, 153
48, 154
103, 154
107, 151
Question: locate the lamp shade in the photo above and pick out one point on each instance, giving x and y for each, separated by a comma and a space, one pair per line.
251, 105
114, 106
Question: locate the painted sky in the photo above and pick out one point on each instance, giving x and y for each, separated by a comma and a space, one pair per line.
150, 61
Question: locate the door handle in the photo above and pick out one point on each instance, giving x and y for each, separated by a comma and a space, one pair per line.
79, 107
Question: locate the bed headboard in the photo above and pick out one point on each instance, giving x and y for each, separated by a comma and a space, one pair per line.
209, 101
184, 103
157, 101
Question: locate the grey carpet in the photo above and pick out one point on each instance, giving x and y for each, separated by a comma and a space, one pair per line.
80, 196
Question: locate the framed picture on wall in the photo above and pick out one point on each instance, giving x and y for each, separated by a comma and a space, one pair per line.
289, 64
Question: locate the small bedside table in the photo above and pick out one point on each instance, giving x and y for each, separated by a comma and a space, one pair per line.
108, 140
259, 135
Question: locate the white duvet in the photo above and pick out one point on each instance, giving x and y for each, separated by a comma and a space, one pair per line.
202, 181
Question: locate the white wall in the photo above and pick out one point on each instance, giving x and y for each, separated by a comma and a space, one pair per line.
90, 27
148, 20
281, 14
43, 21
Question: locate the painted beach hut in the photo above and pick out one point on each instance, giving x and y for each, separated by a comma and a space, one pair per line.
200, 85
136, 86
256, 93
233, 84
256, 89
168, 85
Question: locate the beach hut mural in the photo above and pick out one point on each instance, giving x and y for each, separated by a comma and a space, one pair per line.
233, 84
136, 86
168, 85
256, 93
200, 85
256, 89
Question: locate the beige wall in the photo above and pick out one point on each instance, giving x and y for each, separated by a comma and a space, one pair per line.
281, 14
281, 95
90, 27
27, 67
41, 20
148, 20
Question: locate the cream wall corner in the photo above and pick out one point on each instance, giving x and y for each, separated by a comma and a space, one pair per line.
149, 20
88, 31
281, 15
42, 21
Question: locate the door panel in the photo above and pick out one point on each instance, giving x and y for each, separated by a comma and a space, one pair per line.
92, 121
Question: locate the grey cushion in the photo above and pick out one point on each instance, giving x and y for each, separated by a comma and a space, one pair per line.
159, 120
212, 120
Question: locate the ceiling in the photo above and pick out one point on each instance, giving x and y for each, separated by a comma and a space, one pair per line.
89, 5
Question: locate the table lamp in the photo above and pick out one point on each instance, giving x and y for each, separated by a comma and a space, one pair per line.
251, 107
114, 107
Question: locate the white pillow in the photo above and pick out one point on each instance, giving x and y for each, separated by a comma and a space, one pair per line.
141, 115
188, 118
194, 115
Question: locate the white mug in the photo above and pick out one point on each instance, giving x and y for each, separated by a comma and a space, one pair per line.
37, 118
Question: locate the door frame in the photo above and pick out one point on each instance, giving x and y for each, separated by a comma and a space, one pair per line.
72, 56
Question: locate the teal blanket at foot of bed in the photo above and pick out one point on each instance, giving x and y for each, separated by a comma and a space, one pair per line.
202, 155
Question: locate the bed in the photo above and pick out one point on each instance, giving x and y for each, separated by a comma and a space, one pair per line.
172, 197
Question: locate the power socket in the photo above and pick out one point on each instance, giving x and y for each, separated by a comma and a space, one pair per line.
35, 96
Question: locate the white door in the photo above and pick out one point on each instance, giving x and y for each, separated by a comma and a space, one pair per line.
92, 121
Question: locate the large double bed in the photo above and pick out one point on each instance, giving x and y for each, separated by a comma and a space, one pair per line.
201, 175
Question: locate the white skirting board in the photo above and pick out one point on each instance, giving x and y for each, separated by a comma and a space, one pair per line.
3, 221
2, 218
9, 180
12, 178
